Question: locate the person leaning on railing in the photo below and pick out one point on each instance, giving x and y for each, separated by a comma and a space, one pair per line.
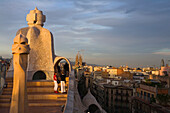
63, 79
55, 83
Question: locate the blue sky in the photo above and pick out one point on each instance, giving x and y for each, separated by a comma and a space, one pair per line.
111, 32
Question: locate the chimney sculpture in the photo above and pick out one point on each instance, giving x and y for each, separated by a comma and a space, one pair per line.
20, 51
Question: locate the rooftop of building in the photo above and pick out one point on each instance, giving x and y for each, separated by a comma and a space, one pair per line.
117, 86
154, 83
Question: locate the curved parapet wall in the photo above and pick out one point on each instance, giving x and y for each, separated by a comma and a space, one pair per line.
69, 106
58, 59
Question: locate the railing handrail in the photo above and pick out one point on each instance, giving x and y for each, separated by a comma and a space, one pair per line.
69, 106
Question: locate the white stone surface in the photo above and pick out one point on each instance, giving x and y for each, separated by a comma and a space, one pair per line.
20, 51
41, 57
89, 99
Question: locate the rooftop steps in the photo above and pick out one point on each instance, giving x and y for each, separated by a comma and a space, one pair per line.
40, 95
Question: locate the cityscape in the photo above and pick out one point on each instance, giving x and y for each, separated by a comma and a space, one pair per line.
73, 56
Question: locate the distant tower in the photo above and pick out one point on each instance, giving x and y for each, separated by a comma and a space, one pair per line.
162, 63
78, 62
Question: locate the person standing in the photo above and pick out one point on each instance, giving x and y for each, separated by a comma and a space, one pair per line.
63, 79
55, 83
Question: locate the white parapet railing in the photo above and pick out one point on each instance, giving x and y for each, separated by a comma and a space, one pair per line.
69, 106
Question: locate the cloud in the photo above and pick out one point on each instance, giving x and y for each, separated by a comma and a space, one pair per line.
165, 51
130, 10
162, 53
109, 27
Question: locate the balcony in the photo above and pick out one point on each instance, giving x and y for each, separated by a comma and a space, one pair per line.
148, 88
122, 94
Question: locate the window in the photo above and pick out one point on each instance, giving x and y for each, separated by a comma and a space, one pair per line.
148, 96
141, 94
116, 99
127, 100
144, 95
153, 95
111, 92
127, 94
116, 91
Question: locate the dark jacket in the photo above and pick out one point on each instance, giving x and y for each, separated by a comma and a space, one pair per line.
63, 77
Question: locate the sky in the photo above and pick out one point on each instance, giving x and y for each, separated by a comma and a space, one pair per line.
106, 32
